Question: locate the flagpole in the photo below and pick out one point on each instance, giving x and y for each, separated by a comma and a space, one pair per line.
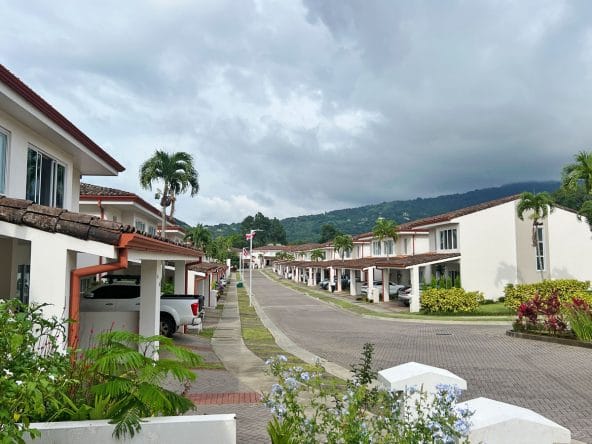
251, 268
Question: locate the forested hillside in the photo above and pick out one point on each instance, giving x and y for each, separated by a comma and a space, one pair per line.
361, 219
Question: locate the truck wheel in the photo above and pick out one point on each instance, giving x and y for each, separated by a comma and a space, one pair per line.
167, 325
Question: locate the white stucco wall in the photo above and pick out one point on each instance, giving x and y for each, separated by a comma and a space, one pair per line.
487, 243
570, 246
20, 138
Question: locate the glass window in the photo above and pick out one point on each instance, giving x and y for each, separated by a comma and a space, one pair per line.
3, 153
389, 247
140, 226
152, 230
376, 248
448, 240
406, 243
540, 251
45, 179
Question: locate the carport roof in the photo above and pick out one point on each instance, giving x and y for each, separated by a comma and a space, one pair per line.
417, 259
86, 227
380, 262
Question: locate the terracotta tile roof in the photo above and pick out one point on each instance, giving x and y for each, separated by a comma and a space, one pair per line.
417, 259
84, 226
458, 213
87, 189
89, 192
55, 116
207, 266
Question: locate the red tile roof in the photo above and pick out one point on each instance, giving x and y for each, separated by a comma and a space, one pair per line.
55, 116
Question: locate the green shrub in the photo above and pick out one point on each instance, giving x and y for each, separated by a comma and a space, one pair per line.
565, 288
454, 300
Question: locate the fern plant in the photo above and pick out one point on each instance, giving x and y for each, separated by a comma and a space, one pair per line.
119, 380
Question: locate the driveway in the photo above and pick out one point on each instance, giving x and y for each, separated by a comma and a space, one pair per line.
553, 380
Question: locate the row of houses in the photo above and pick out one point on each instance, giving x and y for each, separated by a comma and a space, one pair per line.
485, 246
56, 232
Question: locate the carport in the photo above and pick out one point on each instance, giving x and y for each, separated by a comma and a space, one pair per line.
413, 264
44, 241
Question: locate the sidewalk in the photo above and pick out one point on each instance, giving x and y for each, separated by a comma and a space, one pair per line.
235, 378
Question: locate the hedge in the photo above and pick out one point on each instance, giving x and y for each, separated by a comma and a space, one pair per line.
565, 288
455, 300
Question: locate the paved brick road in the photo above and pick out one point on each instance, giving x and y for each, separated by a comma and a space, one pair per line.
551, 379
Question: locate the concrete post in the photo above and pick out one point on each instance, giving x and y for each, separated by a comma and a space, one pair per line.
310, 279
352, 282
331, 276
179, 279
151, 274
339, 273
371, 283
414, 305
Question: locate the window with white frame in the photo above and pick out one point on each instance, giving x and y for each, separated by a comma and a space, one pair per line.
376, 248
347, 254
389, 247
448, 239
46, 179
540, 251
3, 156
406, 245
359, 251
140, 226
152, 230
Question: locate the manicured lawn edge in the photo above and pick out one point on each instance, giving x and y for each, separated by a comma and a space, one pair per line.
360, 309
551, 339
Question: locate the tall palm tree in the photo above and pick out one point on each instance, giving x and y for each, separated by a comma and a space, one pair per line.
177, 174
538, 205
578, 175
343, 243
385, 229
199, 236
317, 254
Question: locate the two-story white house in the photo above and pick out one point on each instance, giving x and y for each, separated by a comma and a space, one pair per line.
42, 157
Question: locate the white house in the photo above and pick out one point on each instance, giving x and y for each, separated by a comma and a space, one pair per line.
42, 157
486, 246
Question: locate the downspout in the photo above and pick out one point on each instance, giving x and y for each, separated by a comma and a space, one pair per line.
75, 275
102, 213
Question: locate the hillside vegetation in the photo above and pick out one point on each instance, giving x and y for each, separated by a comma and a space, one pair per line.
361, 219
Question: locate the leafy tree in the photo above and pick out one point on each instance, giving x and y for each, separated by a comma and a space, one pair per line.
385, 229
272, 230
284, 256
177, 174
328, 232
538, 205
220, 248
199, 236
317, 254
343, 243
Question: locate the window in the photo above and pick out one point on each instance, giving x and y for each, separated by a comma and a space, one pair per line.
448, 239
45, 179
376, 248
152, 230
389, 247
540, 251
3, 154
347, 254
406, 244
140, 226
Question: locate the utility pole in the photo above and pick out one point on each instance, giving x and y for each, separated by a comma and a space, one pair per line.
250, 236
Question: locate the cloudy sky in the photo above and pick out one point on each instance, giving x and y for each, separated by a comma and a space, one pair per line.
298, 107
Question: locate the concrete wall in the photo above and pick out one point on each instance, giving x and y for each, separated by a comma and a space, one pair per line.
487, 241
20, 137
5, 268
93, 323
219, 429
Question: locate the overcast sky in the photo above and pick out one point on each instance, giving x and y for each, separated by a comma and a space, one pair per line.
298, 107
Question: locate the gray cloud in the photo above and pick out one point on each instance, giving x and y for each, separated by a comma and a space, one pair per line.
293, 108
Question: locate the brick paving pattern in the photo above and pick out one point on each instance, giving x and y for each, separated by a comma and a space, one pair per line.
553, 380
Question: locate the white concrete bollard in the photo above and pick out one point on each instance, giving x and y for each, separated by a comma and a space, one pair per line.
414, 374
496, 422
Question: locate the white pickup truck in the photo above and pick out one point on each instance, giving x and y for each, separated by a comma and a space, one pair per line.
175, 310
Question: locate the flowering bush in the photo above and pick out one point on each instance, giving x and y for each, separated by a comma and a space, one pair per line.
307, 410
514, 295
541, 314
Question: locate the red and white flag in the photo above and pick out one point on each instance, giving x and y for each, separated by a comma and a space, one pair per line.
245, 253
250, 235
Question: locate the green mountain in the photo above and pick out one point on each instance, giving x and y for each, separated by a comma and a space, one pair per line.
361, 219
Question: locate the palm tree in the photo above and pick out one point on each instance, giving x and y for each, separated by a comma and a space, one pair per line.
317, 254
538, 205
577, 176
177, 174
284, 256
343, 243
385, 229
199, 236
578, 173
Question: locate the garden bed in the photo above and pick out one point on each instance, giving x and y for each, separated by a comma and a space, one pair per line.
549, 338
